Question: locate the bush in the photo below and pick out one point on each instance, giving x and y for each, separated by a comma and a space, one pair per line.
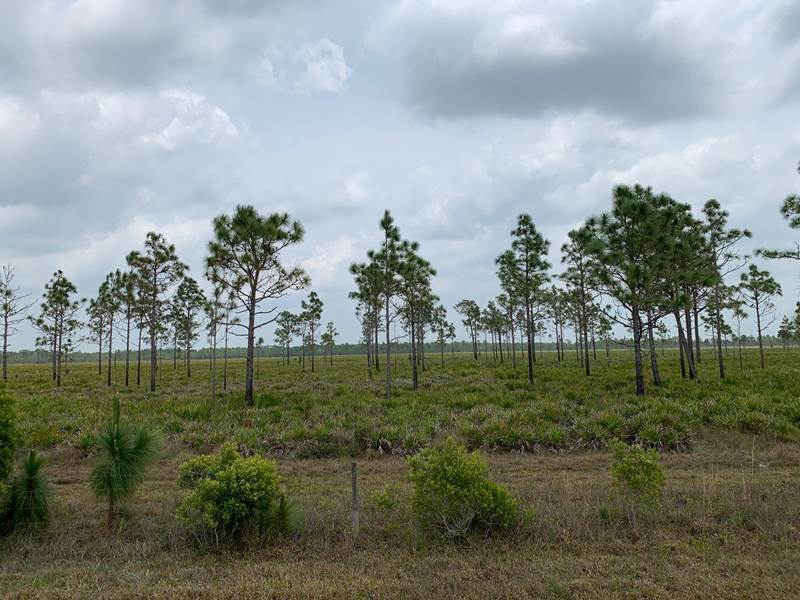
638, 475
453, 496
8, 435
232, 497
29, 504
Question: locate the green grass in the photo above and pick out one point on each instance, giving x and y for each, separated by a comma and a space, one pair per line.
727, 525
338, 411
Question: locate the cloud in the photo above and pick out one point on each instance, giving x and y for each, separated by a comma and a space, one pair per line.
328, 261
647, 61
122, 116
325, 67
195, 119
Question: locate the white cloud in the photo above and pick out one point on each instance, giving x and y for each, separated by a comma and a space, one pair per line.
355, 187
325, 67
193, 119
328, 261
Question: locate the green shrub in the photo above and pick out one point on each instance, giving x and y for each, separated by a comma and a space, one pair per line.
8, 434
30, 494
638, 475
125, 456
453, 496
232, 497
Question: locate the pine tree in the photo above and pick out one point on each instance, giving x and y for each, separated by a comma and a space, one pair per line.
723, 258
245, 258
328, 339
156, 271
311, 315
759, 288
188, 305
528, 274
125, 456
58, 319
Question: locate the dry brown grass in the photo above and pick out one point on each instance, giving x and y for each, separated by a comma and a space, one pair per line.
728, 525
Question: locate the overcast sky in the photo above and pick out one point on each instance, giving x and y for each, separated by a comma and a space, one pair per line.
118, 117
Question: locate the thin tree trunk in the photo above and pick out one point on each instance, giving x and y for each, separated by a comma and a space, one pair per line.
225, 358
585, 327
637, 352
139, 359
214, 359
413, 338
718, 322
528, 332
697, 355
5, 347
681, 342
377, 348
689, 347
251, 330
128, 348
388, 346
652, 342
110, 342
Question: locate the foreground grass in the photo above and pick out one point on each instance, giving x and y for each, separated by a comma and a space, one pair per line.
728, 524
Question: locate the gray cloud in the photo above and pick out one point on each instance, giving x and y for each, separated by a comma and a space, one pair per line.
787, 22
648, 61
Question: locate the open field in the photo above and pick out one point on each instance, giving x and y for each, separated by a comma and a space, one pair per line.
337, 410
728, 524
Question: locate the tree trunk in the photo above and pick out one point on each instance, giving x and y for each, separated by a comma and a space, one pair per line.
214, 359
128, 349
251, 332
60, 331
413, 337
377, 348
697, 356
528, 333
652, 342
718, 322
585, 327
388, 349
637, 351
689, 347
680, 352
100, 350
5, 347
110, 350
225, 359
758, 328
139, 359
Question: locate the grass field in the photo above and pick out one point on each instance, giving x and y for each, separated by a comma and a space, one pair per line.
728, 524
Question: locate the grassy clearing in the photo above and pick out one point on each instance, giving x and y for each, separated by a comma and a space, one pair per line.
337, 411
728, 524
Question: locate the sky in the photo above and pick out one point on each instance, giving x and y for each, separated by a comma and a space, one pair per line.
118, 117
